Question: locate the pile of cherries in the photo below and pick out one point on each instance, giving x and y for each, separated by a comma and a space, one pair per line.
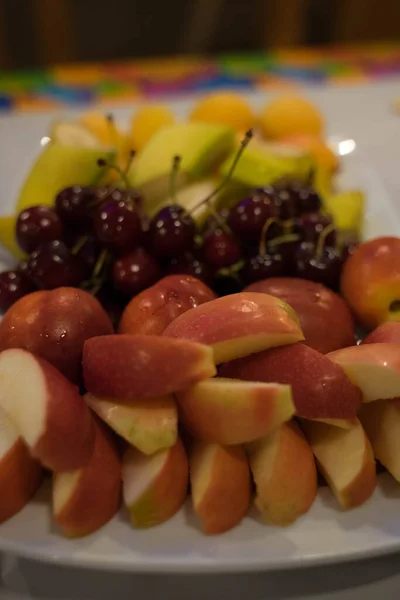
99, 239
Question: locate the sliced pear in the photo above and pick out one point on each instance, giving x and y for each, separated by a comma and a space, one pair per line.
73, 134
7, 236
347, 210
57, 167
201, 146
262, 164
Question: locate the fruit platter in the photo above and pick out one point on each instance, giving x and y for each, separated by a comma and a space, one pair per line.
199, 346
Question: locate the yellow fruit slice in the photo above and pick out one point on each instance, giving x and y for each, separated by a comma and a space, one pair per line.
7, 236
104, 129
224, 108
317, 148
347, 210
147, 121
72, 134
290, 115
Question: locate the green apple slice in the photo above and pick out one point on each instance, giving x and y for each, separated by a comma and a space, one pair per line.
60, 166
201, 147
263, 163
73, 134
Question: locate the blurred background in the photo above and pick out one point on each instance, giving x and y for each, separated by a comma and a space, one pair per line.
36, 33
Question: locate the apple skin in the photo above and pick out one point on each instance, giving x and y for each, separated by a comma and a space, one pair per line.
54, 325
143, 366
370, 282
320, 388
220, 484
284, 474
387, 332
86, 499
46, 409
238, 325
324, 317
151, 311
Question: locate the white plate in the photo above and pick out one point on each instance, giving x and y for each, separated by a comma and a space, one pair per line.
326, 534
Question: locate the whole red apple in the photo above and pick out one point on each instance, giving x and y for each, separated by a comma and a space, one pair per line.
151, 311
370, 281
387, 332
54, 325
325, 319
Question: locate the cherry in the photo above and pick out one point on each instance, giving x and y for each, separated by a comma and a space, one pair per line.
135, 271
13, 285
171, 232
261, 266
52, 265
117, 224
35, 225
298, 197
220, 249
310, 226
75, 205
247, 218
188, 264
323, 265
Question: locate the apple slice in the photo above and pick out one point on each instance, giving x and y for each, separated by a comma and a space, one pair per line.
221, 485
86, 499
155, 487
284, 473
345, 459
374, 368
320, 388
381, 421
20, 474
238, 325
149, 424
143, 366
228, 411
46, 408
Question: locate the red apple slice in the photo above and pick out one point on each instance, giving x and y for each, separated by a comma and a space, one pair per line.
345, 459
149, 424
284, 473
320, 388
20, 474
374, 368
143, 366
381, 421
228, 411
238, 325
155, 487
46, 408
86, 499
221, 485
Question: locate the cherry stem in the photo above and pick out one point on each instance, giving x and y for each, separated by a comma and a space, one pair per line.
131, 156
262, 248
176, 162
285, 239
79, 244
100, 264
113, 130
243, 144
321, 240
122, 174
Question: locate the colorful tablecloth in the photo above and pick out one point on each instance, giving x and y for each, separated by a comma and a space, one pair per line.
85, 84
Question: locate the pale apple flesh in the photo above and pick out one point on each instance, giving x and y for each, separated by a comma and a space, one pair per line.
86, 499
20, 474
50, 415
238, 325
346, 460
284, 474
143, 366
374, 368
220, 485
229, 411
320, 388
149, 424
154, 487
381, 421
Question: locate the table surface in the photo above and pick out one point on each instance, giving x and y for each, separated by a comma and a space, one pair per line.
364, 580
